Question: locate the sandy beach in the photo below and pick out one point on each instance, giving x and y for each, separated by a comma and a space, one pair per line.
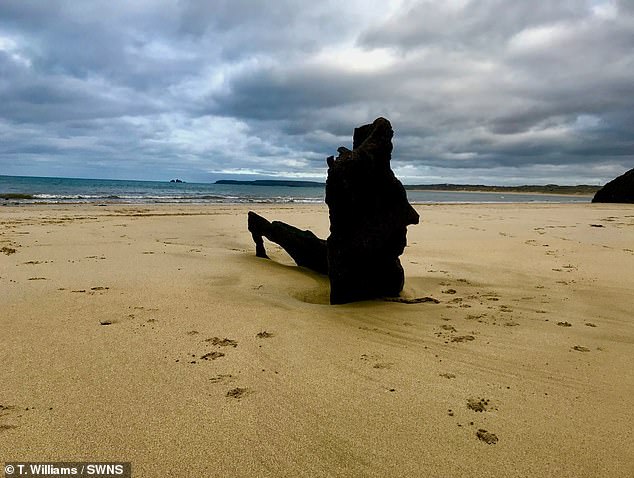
153, 335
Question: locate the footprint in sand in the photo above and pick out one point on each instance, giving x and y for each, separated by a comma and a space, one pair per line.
5, 410
221, 378
264, 335
463, 338
446, 333
477, 317
238, 393
487, 437
382, 365
222, 342
377, 359
478, 404
212, 355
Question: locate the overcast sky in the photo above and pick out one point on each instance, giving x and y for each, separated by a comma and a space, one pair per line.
480, 91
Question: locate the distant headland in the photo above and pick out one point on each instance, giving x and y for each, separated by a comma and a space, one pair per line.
274, 182
581, 189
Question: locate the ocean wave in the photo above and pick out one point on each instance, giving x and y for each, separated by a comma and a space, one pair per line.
194, 198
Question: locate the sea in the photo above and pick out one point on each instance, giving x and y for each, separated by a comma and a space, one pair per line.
39, 190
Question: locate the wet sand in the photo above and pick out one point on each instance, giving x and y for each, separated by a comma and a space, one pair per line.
152, 334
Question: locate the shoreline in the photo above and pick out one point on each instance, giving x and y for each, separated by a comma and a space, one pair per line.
152, 334
483, 191
293, 202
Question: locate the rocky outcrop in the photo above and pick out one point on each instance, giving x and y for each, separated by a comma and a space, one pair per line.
369, 215
620, 190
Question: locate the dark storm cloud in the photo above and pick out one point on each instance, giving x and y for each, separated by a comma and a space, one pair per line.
293, 93
478, 91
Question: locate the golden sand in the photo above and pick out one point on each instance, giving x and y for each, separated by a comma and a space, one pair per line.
154, 335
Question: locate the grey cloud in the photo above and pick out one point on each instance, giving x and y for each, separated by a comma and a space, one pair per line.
488, 23
282, 29
276, 93
491, 89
